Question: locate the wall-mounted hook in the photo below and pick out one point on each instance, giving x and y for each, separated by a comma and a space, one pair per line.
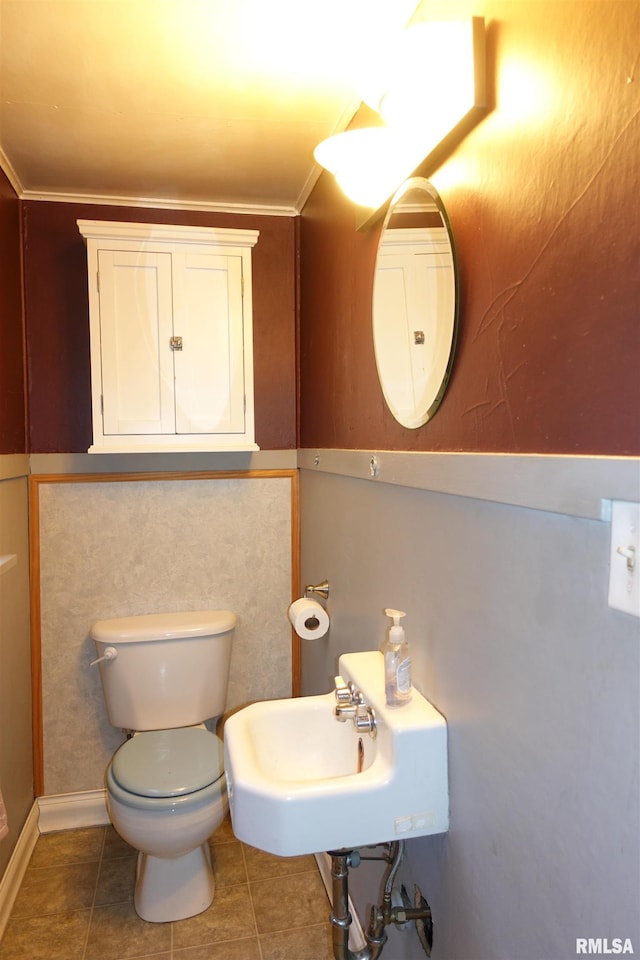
322, 589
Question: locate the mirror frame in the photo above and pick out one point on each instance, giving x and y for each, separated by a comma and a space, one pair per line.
422, 416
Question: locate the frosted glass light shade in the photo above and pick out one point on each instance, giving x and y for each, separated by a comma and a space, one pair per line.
369, 163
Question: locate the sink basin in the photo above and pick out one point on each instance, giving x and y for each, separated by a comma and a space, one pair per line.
300, 781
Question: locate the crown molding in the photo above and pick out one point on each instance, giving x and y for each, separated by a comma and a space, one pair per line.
9, 172
309, 184
203, 206
162, 203
346, 117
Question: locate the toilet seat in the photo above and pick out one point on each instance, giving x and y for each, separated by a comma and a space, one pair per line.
168, 769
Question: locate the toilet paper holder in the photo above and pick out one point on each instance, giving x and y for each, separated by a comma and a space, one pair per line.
322, 589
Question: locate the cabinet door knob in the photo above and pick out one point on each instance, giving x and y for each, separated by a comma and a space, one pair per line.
175, 343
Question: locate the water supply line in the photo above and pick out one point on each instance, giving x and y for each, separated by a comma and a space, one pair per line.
381, 916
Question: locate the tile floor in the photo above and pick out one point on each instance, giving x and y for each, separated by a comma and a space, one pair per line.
76, 903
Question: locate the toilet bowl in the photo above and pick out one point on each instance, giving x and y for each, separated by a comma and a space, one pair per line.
163, 675
166, 795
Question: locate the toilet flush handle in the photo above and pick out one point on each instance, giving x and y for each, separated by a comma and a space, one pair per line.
110, 653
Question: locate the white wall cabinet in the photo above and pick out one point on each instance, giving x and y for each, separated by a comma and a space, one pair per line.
170, 317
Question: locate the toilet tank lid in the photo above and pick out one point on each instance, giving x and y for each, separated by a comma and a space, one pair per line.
165, 626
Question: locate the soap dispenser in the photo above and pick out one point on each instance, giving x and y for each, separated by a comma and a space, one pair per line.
397, 662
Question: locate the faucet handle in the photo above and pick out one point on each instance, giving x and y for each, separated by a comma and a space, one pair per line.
345, 711
365, 721
343, 692
347, 692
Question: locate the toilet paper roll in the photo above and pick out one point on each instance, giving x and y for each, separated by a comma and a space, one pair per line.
308, 618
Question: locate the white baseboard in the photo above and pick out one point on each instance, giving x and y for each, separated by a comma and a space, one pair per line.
69, 811
356, 933
16, 868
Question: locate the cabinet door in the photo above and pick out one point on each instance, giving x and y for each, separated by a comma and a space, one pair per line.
209, 369
135, 333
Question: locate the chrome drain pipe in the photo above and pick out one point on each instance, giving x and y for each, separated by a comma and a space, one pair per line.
341, 919
381, 916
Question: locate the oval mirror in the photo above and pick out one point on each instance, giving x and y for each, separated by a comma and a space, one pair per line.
415, 303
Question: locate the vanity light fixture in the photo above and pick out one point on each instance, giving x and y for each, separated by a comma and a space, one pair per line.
430, 89
371, 162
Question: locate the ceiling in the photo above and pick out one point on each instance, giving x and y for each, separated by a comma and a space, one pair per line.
207, 104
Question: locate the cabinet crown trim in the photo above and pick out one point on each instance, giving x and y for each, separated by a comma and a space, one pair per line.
164, 232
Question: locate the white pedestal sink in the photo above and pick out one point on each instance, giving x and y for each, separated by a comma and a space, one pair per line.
300, 781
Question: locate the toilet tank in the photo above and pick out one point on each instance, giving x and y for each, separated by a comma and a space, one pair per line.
169, 669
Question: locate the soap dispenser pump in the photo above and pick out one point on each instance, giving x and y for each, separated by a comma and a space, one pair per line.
397, 662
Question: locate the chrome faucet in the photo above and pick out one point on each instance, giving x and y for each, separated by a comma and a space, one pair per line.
350, 705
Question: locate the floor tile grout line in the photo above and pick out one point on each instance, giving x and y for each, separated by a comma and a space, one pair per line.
95, 894
253, 911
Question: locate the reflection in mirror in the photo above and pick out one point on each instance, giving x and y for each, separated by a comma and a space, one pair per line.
415, 303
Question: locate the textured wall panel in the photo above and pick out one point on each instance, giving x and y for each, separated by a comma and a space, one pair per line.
111, 549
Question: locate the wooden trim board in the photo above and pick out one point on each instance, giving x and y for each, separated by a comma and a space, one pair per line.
35, 481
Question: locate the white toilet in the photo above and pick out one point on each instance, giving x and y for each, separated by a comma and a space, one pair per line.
165, 674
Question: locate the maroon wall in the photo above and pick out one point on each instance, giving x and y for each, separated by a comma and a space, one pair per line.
12, 400
57, 320
543, 197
